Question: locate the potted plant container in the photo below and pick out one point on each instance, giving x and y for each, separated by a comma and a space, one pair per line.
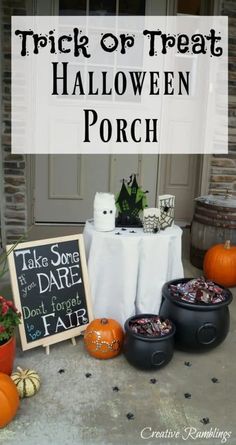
145, 352
9, 319
199, 327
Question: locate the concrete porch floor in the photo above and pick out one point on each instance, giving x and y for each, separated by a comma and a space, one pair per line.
71, 408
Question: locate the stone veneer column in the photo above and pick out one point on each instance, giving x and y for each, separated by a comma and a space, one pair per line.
14, 166
223, 168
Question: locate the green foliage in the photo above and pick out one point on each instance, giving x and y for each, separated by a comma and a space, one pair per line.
9, 315
9, 319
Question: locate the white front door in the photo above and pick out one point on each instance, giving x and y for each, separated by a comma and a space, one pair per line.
180, 176
65, 185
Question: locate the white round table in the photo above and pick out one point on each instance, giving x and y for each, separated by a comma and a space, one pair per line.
127, 269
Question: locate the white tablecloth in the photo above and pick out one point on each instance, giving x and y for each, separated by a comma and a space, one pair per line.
127, 271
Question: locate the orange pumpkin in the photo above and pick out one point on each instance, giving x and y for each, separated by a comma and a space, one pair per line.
103, 338
220, 264
9, 399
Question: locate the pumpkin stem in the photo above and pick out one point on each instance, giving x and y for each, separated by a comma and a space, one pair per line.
104, 320
23, 372
227, 245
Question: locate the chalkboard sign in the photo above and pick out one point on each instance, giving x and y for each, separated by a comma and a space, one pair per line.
50, 288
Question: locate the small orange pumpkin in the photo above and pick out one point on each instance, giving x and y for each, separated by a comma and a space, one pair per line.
220, 264
103, 338
9, 399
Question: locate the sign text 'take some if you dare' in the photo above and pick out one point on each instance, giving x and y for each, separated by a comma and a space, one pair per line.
51, 288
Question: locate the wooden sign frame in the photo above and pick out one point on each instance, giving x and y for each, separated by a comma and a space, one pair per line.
65, 335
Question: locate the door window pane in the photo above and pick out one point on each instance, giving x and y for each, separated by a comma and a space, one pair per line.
102, 7
190, 8
132, 7
72, 7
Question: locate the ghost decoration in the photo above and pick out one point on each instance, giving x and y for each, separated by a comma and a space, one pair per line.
151, 220
166, 203
104, 212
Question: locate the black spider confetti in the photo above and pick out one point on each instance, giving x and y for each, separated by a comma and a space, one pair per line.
115, 389
132, 231
130, 416
117, 233
214, 380
123, 229
61, 371
187, 395
188, 364
153, 381
205, 420
87, 375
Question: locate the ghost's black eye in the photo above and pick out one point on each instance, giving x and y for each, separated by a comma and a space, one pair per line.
104, 212
111, 211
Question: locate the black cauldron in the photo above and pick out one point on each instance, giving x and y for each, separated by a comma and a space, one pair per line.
199, 327
145, 352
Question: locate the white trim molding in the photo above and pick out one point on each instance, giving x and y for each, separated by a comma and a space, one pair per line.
205, 168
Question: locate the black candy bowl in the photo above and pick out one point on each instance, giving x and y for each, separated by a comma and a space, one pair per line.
145, 352
199, 327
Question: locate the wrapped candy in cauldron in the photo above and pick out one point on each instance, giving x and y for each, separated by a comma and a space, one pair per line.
199, 291
152, 326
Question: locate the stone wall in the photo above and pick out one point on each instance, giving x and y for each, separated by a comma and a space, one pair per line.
223, 168
13, 206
